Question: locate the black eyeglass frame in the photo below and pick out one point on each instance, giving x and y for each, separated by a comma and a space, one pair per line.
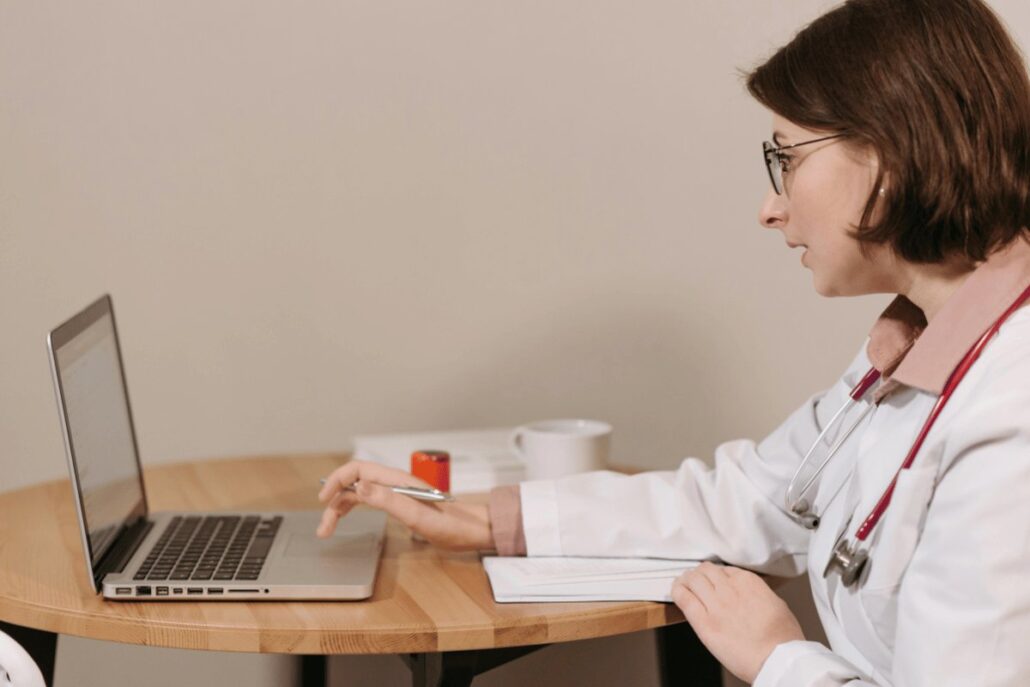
771, 154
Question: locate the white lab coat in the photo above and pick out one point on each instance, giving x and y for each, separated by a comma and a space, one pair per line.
945, 598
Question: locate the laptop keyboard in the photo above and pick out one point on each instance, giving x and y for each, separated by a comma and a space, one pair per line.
230, 547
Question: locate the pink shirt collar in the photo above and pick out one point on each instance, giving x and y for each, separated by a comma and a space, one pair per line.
907, 351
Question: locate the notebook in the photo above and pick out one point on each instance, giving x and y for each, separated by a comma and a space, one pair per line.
544, 578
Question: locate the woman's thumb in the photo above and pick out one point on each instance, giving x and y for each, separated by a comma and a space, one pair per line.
363, 489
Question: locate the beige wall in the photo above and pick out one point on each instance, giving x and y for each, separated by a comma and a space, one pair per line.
325, 218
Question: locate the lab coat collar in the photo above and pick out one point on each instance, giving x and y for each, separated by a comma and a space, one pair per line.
908, 351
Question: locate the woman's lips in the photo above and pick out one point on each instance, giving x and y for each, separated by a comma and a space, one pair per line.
799, 245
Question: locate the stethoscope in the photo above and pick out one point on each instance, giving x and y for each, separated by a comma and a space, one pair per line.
847, 559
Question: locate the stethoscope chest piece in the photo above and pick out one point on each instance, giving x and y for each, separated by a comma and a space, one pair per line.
849, 561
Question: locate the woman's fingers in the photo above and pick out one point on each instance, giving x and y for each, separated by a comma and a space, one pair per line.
357, 470
714, 571
329, 518
702, 583
409, 511
452, 525
339, 501
342, 477
687, 601
338, 506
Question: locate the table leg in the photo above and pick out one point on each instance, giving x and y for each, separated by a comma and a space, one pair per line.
458, 668
314, 671
439, 670
684, 660
40, 644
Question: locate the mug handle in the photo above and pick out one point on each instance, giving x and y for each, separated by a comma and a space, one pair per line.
515, 443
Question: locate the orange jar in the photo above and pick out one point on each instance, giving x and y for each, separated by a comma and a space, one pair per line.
433, 467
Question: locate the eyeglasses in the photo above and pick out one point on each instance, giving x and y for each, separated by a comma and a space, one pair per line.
778, 164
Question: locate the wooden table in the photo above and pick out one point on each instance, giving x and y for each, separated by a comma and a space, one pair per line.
431, 607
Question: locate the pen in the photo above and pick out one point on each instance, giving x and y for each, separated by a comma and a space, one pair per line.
420, 493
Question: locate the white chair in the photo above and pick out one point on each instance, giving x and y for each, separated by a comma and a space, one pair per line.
17, 669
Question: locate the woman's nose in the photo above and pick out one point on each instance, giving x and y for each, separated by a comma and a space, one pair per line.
773, 213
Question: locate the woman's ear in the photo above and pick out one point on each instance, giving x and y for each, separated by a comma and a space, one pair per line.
884, 178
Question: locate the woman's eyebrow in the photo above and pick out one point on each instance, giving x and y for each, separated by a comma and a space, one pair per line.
777, 138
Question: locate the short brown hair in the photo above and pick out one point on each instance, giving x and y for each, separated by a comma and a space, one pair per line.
940, 92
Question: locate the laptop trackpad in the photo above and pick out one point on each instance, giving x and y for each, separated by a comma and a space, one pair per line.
349, 557
341, 545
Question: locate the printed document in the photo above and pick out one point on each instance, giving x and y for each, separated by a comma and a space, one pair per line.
543, 578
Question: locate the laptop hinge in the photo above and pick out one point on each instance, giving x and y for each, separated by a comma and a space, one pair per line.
125, 545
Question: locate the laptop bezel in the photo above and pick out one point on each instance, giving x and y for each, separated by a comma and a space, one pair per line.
58, 337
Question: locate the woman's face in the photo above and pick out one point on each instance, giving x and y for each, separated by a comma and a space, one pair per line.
826, 189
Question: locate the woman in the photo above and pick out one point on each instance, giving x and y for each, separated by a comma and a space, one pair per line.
900, 163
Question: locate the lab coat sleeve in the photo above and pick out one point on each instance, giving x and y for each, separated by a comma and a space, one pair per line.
733, 511
807, 664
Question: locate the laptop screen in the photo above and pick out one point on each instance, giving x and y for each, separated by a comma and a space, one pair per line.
99, 432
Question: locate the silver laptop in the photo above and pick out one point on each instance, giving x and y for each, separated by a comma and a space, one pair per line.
133, 554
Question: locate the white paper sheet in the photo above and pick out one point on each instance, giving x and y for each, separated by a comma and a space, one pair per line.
536, 579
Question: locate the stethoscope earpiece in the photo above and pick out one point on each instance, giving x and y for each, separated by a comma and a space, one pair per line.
804, 516
807, 518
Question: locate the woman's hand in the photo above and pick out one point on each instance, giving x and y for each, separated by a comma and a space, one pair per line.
448, 524
736, 615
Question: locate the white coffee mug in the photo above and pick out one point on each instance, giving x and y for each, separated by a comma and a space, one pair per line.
555, 448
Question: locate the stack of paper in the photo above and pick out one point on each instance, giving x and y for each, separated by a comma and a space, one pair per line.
480, 459
583, 579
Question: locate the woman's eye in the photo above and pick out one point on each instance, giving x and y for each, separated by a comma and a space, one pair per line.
785, 162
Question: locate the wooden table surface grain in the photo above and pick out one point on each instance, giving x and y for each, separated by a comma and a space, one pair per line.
425, 599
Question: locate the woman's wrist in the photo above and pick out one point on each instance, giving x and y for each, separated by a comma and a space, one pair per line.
505, 517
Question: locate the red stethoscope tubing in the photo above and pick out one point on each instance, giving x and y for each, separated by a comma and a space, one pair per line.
864, 384
949, 387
